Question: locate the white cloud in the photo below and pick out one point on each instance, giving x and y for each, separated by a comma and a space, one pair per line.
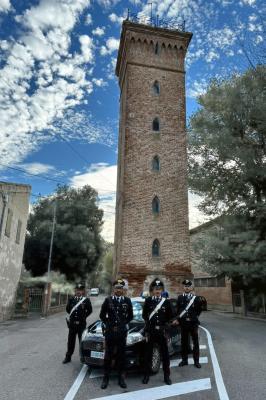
249, 2
88, 20
108, 3
83, 127
111, 45
98, 31
116, 19
196, 217
39, 168
40, 77
212, 55
197, 88
99, 82
5, 5
111, 68
86, 48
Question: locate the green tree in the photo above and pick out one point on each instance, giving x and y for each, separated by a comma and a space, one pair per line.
77, 241
227, 167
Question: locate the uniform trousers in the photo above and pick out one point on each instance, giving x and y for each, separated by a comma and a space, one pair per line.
159, 338
189, 328
74, 330
115, 347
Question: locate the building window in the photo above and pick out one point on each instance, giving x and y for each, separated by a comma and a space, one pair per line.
156, 49
216, 281
156, 163
18, 231
8, 222
155, 205
156, 88
156, 125
156, 248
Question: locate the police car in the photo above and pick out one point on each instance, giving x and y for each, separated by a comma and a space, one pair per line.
92, 342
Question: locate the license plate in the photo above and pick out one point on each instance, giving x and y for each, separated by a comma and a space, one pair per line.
97, 354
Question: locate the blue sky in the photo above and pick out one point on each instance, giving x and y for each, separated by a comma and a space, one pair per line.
59, 97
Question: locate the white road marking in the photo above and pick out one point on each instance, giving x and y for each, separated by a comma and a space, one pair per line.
217, 371
162, 392
203, 347
76, 385
96, 373
202, 360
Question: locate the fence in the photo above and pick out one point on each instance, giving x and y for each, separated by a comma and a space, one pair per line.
35, 300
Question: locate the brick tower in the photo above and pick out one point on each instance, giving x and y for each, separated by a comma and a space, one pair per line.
151, 232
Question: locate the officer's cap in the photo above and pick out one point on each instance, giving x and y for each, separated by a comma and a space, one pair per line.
187, 282
119, 284
80, 286
156, 283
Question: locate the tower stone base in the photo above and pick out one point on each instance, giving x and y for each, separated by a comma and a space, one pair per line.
139, 278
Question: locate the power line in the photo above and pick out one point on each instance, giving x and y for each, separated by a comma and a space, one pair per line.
46, 177
80, 155
32, 174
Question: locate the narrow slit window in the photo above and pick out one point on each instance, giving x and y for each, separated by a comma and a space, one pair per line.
156, 205
156, 248
156, 125
156, 163
156, 88
156, 49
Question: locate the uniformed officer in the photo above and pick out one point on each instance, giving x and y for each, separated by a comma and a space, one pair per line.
157, 312
189, 308
79, 308
116, 313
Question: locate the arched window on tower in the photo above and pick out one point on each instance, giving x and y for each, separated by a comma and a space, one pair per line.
156, 88
156, 248
156, 125
155, 205
156, 49
156, 163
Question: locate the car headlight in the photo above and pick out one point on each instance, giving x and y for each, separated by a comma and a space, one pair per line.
85, 335
133, 338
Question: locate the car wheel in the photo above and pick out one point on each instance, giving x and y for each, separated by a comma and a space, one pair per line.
156, 359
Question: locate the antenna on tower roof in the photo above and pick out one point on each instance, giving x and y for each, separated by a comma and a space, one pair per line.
141, 18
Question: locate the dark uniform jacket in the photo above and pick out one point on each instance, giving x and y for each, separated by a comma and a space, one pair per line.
79, 315
193, 312
116, 314
160, 318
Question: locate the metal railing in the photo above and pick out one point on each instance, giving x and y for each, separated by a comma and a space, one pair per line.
155, 21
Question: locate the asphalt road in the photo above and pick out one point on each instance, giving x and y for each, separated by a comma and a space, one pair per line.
31, 354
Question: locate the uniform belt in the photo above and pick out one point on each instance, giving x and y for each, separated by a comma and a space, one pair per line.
76, 322
158, 327
188, 319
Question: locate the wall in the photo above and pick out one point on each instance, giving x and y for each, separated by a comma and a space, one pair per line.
218, 297
16, 198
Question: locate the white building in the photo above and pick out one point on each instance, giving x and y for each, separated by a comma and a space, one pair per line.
14, 210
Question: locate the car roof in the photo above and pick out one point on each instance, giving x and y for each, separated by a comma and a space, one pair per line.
139, 299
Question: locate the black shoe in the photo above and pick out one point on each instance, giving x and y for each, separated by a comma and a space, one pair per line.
167, 380
122, 383
66, 360
105, 382
182, 363
146, 379
197, 365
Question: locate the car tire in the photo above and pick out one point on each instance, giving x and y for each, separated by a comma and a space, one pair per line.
155, 359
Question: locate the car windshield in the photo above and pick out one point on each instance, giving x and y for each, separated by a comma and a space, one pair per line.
137, 310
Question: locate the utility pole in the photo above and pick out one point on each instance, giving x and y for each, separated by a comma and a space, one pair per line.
48, 286
51, 244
